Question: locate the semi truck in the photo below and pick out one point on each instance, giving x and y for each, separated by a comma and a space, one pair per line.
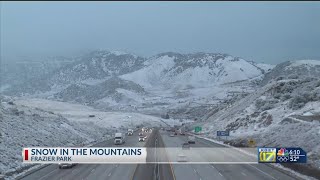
119, 138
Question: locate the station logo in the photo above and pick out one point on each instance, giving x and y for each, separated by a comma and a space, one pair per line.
267, 155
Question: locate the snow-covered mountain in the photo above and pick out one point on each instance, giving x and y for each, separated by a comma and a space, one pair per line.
167, 80
17, 72
92, 68
89, 94
172, 70
294, 70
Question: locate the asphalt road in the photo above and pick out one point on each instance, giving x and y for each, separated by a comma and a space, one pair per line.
92, 171
219, 171
154, 170
158, 139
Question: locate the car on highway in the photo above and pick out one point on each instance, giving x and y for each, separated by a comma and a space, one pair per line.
172, 135
130, 132
182, 158
67, 165
191, 140
140, 133
141, 139
185, 145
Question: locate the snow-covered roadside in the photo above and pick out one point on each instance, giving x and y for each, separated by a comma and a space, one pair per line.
37, 122
26, 127
80, 113
245, 151
271, 121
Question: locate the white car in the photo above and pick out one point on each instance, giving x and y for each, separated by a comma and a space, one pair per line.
141, 139
191, 140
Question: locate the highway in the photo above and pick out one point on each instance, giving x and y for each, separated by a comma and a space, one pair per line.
109, 171
219, 171
172, 171
92, 171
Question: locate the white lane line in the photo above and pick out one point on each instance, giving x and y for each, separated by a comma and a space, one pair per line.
92, 170
48, 173
220, 174
252, 166
109, 174
243, 173
195, 171
263, 172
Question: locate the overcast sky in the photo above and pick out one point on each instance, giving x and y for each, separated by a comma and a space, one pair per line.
269, 32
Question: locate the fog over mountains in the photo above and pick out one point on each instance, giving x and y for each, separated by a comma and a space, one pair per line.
216, 91
118, 80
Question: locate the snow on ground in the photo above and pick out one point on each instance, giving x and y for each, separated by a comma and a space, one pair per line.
92, 81
133, 95
80, 113
150, 75
38, 122
22, 126
278, 126
266, 67
304, 62
238, 70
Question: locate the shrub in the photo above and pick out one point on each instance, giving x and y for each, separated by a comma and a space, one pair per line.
11, 103
264, 105
279, 78
293, 76
285, 96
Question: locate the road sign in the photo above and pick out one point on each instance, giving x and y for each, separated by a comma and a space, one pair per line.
223, 133
197, 129
251, 142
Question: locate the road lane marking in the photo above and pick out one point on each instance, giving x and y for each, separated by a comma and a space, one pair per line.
135, 169
243, 173
109, 174
248, 163
73, 171
48, 173
240, 159
263, 172
220, 174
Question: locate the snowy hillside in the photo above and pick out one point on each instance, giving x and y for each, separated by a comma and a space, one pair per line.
38, 122
93, 67
294, 70
281, 113
16, 72
193, 70
113, 80
110, 88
